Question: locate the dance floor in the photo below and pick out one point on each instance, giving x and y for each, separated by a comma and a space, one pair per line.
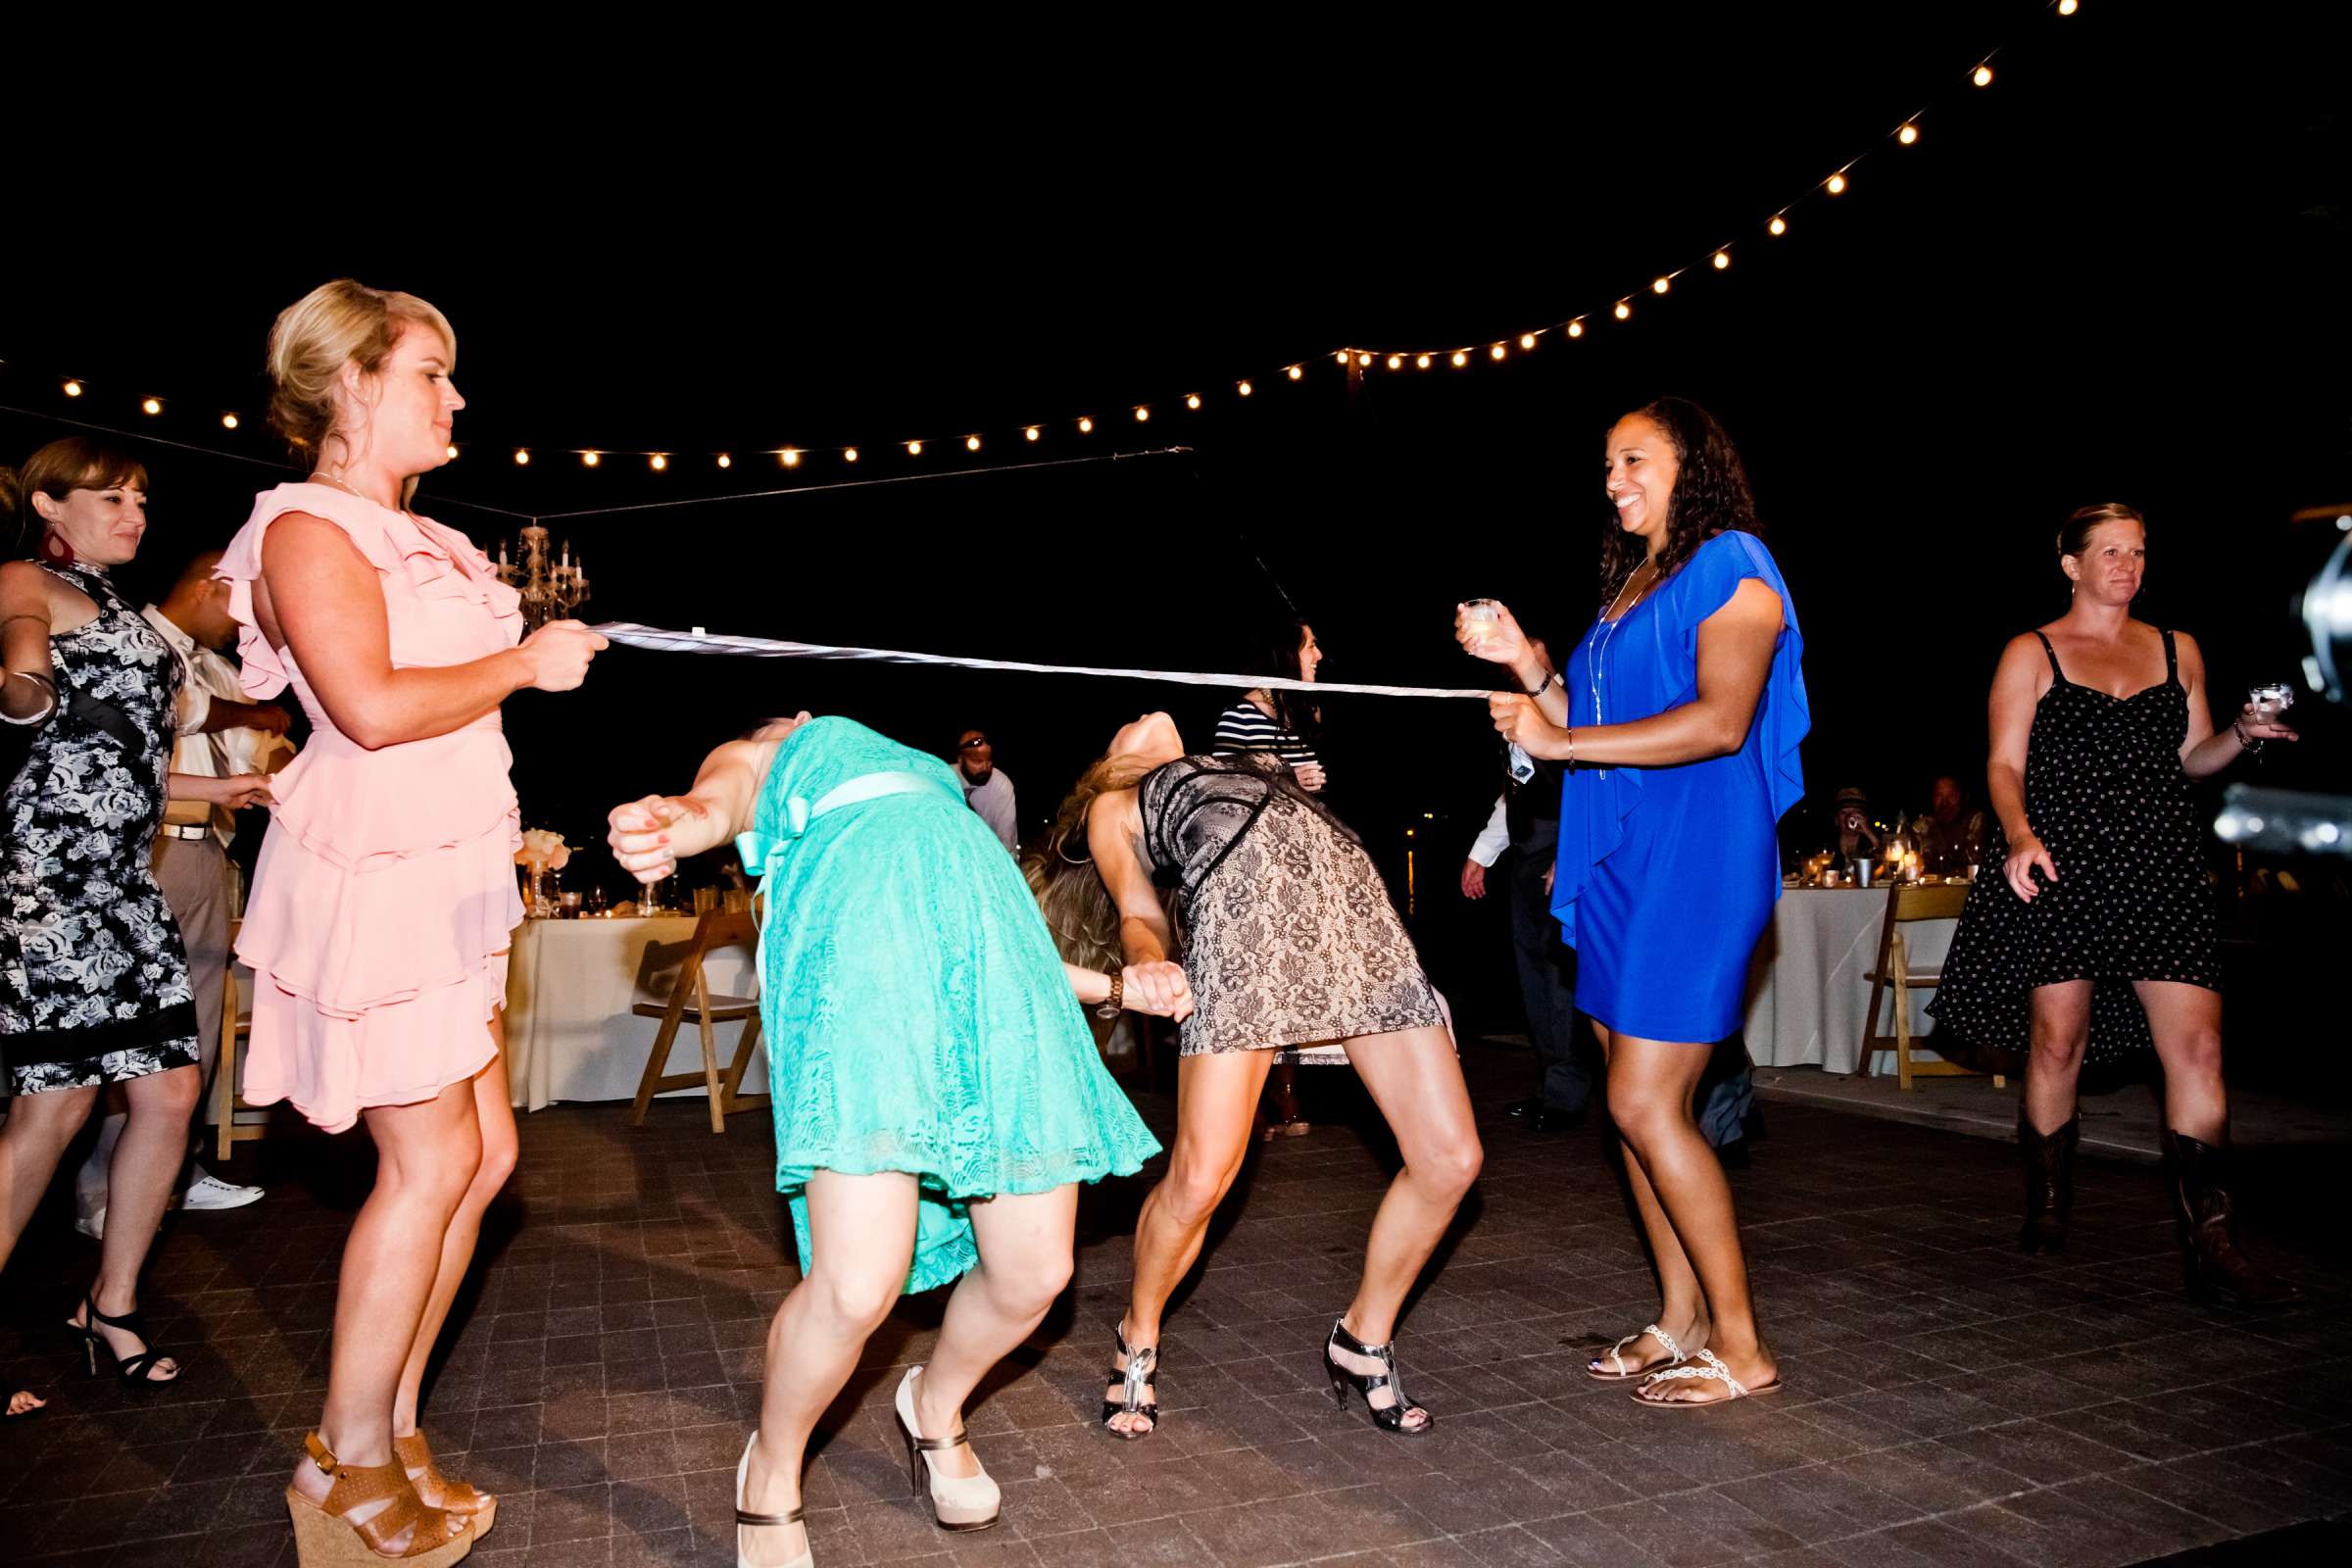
1947, 1400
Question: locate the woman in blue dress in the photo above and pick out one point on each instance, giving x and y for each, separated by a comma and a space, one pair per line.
1679, 716
937, 1094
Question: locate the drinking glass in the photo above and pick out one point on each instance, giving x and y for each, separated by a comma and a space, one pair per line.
1481, 618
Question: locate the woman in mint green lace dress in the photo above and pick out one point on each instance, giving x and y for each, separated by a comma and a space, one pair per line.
937, 1093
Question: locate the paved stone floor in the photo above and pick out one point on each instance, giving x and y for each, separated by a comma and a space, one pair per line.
1947, 1400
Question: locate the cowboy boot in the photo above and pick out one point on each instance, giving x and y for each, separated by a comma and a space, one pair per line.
2049, 1159
2210, 1259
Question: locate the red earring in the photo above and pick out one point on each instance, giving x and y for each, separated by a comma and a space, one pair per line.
55, 551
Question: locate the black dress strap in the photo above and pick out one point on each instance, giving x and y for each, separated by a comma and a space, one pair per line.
2053, 652
2172, 659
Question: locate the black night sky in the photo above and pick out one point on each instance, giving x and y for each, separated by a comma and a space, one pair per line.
2118, 271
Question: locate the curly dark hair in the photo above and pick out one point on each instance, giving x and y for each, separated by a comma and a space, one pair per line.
1710, 495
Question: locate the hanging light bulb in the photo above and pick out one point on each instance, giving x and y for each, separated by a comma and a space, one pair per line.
1420, 362
590, 459
1660, 285
1527, 340
1575, 328
1142, 414
1983, 76
1343, 358
1623, 309
1296, 371
1460, 359
661, 461
725, 462
153, 406
453, 452
1835, 184
1779, 225
848, 453
1247, 389
1363, 362
1031, 432
1495, 353
73, 389
914, 449
2065, 8
1723, 258
1086, 427
971, 443
229, 421
1908, 134
1192, 400
1396, 361
523, 457
790, 456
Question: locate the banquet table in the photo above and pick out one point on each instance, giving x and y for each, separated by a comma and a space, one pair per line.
569, 987
1806, 991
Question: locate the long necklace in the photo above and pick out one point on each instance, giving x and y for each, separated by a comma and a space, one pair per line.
1601, 634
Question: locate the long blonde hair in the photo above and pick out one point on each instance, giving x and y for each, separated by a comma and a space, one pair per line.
1077, 906
337, 323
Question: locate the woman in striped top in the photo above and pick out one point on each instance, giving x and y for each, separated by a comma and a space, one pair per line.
1285, 725
1282, 722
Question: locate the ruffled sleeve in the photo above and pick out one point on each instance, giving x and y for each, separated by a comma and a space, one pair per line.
425, 558
1715, 571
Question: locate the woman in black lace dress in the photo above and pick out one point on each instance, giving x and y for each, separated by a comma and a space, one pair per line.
94, 983
2096, 938
1291, 941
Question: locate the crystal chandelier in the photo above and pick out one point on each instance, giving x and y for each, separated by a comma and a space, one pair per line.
551, 590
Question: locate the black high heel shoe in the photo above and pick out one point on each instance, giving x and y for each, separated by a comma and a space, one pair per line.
1143, 1367
1390, 1417
133, 1370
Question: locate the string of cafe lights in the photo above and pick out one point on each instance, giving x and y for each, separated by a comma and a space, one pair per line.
1352, 360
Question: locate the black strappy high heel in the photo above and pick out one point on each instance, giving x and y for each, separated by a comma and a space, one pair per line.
1389, 1418
131, 1369
1142, 1367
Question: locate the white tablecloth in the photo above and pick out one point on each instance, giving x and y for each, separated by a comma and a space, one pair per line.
1806, 993
570, 1032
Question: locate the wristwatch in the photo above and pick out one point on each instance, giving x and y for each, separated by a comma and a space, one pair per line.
1112, 1006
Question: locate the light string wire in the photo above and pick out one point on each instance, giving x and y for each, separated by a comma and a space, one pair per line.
1353, 358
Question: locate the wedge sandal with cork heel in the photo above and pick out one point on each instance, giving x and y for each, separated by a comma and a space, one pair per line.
326, 1537
436, 1491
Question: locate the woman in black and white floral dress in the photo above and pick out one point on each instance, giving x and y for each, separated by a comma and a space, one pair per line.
94, 984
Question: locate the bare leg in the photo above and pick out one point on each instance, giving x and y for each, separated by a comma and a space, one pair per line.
1026, 1252
1216, 1093
39, 1127
1682, 1304
861, 1238
494, 1117
426, 1156
1652, 1082
1415, 1079
2186, 1021
148, 1156
2061, 1028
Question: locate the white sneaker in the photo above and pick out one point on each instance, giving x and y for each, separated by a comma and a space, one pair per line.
209, 1190
92, 1224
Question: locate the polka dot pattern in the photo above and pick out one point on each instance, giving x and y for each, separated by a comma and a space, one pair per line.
2106, 794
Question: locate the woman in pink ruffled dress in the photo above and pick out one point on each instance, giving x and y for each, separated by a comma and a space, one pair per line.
384, 901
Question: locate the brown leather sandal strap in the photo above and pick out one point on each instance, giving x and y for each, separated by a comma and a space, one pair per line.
935, 1444
793, 1518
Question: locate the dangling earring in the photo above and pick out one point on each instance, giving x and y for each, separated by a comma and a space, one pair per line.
55, 550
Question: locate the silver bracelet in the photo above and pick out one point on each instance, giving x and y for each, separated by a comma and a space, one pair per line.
46, 684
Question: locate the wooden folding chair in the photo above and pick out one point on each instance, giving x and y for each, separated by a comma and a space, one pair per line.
1905, 905
671, 986
236, 1026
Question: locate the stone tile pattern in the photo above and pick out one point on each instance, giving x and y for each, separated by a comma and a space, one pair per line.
1946, 1398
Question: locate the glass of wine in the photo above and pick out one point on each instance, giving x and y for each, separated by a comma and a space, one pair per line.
2268, 705
1481, 618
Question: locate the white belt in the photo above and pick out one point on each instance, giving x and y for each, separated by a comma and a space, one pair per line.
187, 830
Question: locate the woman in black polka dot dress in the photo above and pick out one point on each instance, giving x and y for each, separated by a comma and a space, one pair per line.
2091, 934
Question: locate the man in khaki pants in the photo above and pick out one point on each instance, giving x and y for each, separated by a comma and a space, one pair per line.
221, 736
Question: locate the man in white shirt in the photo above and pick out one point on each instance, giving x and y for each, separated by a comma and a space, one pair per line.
222, 735
987, 789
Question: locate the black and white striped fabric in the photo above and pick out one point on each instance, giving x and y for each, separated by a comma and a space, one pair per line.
1247, 727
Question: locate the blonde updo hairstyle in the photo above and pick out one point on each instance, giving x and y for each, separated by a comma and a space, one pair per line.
335, 324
